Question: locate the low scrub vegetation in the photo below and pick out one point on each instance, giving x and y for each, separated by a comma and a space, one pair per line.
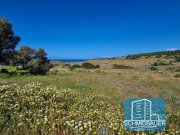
166, 54
133, 57
177, 58
161, 63
178, 69
85, 65
4, 70
177, 75
88, 65
75, 66
116, 66
153, 68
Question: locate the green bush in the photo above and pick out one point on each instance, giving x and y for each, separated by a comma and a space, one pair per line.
75, 66
170, 62
158, 56
177, 58
3, 70
177, 70
153, 68
116, 66
133, 57
37, 66
177, 75
147, 57
155, 64
88, 65
161, 63
97, 66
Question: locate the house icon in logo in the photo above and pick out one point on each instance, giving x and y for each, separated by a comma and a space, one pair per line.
142, 110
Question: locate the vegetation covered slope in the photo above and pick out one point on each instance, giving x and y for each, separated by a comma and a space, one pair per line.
87, 100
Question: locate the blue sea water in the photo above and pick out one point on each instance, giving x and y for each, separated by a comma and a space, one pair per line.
70, 60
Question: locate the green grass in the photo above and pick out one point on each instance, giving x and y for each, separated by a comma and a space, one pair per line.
139, 81
114, 85
13, 69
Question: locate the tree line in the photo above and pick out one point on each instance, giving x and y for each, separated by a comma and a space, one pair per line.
35, 61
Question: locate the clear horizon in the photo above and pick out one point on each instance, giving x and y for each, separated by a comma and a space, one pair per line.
80, 29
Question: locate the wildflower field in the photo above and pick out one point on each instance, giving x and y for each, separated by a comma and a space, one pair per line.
44, 110
86, 102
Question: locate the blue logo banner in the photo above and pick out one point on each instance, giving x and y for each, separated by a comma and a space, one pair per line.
141, 114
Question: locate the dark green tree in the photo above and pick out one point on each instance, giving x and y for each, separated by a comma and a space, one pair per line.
23, 56
41, 54
8, 40
40, 63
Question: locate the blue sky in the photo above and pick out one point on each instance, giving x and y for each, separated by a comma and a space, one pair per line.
81, 29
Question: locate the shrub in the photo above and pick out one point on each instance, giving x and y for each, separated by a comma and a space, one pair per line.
177, 75
97, 66
88, 65
178, 70
133, 57
161, 63
75, 66
155, 64
116, 66
3, 70
37, 66
158, 56
171, 62
153, 68
177, 58
170, 69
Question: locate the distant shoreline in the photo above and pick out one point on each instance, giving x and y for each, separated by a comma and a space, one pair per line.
69, 60
129, 55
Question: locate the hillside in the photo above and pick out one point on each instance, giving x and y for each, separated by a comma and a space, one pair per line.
93, 95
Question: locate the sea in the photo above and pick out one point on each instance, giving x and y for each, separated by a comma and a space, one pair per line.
70, 60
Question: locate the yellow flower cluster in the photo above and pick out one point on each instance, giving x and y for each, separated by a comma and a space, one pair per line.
37, 109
